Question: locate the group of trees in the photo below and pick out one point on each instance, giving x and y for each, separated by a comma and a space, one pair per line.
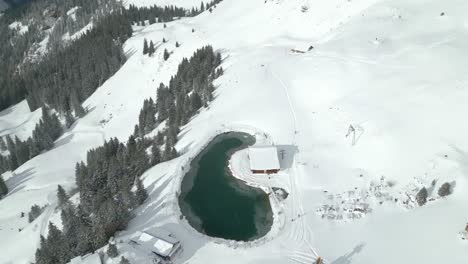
208, 6
157, 14
112, 171
190, 89
68, 76
444, 190
38, 16
154, 14
70, 72
3, 188
105, 185
44, 134
148, 49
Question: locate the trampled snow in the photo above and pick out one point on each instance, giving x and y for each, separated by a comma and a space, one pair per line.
394, 70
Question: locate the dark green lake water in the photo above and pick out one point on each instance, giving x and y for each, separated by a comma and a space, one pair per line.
219, 205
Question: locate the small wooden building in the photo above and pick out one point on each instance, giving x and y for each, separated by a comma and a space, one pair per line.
264, 160
160, 242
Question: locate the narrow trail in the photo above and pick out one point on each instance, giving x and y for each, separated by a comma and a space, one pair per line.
300, 232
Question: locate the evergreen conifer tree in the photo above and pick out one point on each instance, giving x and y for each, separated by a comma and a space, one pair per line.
145, 47
124, 260
62, 197
166, 54
3, 146
151, 49
141, 194
13, 161
3, 187
35, 212
112, 250
155, 153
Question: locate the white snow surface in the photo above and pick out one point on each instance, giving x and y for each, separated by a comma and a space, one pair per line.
19, 27
263, 158
19, 121
394, 69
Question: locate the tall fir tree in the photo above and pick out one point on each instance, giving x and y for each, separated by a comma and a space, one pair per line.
145, 47
166, 54
3, 187
141, 194
62, 197
151, 48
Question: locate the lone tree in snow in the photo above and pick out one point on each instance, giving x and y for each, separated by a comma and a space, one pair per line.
3, 187
145, 47
445, 190
112, 250
421, 196
166, 54
177, 44
36, 211
123, 260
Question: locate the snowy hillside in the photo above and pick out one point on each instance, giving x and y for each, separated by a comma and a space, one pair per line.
394, 70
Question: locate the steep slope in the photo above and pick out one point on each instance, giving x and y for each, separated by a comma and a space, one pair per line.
391, 69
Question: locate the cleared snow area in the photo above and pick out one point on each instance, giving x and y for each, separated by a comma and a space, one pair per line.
393, 69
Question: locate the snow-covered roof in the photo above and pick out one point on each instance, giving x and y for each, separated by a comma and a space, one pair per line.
263, 158
160, 242
88, 259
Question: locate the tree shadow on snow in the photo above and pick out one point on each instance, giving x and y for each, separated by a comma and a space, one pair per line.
154, 209
15, 183
347, 258
63, 140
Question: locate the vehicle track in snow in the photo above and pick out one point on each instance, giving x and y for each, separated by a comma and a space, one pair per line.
300, 232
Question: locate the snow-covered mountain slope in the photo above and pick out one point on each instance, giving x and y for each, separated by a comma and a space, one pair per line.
393, 69
19, 121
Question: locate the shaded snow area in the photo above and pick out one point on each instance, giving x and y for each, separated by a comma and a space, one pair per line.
372, 113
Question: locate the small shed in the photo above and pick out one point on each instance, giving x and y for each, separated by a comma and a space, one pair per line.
160, 242
264, 160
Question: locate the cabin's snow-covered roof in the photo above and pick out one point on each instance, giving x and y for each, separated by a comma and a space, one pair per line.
161, 242
263, 158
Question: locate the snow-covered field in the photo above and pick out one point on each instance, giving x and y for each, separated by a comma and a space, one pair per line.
393, 69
